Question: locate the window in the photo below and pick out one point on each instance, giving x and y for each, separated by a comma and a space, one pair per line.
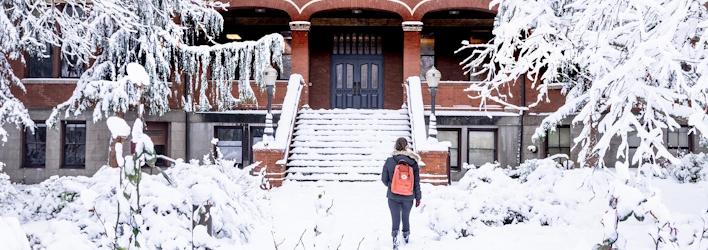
74, 145
40, 66
35, 147
230, 143
558, 141
70, 67
427, 53
633, 142
287, 56
256, 137
482, 147
158, 133
678, 141
452, 136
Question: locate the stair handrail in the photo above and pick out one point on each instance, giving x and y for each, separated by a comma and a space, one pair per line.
286, 124
416, 111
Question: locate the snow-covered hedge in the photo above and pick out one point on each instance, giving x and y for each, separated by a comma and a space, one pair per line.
82, 210
692, 168
488, 196
529, 166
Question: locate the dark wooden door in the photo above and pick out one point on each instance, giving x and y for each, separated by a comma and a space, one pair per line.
357, 82
357, 71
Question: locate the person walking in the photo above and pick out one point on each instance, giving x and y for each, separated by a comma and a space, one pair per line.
402, 178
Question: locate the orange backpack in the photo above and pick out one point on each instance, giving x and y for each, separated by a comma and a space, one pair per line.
402, 181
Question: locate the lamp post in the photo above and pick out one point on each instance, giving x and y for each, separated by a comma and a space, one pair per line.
269, 76
433, 78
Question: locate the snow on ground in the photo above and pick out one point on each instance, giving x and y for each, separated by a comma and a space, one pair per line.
546, 208
360, 216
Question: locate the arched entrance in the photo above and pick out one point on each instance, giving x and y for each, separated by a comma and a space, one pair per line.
355, 60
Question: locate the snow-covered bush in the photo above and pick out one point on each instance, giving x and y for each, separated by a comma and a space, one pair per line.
7, 190
691, 168
654, 170
529, 166
87, 205
487, 196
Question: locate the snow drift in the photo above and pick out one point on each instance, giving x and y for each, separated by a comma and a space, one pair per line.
83, 211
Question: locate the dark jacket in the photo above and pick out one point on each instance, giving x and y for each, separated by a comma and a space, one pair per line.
389, 167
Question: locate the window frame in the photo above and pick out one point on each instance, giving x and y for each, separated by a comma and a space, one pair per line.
570, 140
51, 60
496, 141
64, 165
251, 137
676, 149
63, 62
459, 149
167, 141
25, 164
243, 134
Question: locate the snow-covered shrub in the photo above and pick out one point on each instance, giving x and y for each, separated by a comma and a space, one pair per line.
653, 170
691, 168
487, 196
634, 198
87, 206
529, 166
7, 190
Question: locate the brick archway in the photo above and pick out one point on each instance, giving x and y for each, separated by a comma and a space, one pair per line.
408, 10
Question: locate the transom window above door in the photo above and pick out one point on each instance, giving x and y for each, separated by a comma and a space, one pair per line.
356, 44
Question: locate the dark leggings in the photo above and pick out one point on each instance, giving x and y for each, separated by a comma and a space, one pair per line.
398, 208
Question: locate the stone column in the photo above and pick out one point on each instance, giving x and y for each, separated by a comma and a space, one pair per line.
300, 48
411, 48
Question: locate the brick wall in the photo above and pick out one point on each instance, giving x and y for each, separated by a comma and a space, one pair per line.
393, 69
45, 94
436, 167
268, 158
320, 64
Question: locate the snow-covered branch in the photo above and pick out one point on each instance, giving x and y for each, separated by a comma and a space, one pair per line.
623, 66
105, 36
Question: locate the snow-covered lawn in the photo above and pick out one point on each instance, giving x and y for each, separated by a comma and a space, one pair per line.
360, 214
546, 208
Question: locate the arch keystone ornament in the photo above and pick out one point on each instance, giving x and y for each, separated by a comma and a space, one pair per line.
412, 26
299, 26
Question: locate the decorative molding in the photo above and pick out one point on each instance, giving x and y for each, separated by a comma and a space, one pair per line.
300, 26
300, 9
412, 26
412, 10
50, 80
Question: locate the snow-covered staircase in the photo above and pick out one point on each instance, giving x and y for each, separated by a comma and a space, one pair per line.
344, 144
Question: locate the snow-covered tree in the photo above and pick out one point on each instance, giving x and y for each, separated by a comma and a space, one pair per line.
160, 35
25, 27
623, 65
105, 36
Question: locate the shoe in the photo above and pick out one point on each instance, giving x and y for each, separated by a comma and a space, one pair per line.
406, 236
394, 236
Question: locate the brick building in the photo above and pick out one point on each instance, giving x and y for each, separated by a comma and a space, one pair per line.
351, 53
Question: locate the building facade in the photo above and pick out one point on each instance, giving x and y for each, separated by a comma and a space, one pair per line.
351, 53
